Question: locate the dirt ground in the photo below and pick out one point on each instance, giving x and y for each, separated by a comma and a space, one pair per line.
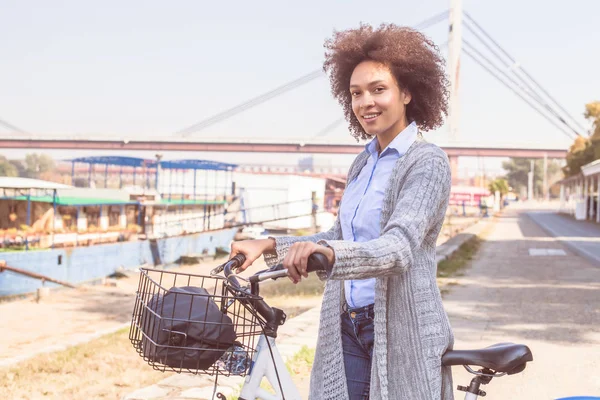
104, 365
97, 315
71, 316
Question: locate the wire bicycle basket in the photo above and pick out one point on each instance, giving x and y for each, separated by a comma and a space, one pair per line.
193, 323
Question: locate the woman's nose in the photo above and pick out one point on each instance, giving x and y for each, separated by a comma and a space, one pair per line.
367, 101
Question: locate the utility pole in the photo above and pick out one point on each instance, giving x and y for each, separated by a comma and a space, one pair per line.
530, 183
546, 191
156, 176
454, 50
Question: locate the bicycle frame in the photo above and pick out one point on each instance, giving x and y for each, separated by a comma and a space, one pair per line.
265, 366
471, 396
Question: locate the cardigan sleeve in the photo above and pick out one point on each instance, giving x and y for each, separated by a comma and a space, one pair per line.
282, 244
421, 202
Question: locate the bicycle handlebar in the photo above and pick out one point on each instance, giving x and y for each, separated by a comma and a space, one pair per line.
234, 263
273, 316
316, 262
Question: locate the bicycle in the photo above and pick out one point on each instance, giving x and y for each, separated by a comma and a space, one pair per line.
251, 316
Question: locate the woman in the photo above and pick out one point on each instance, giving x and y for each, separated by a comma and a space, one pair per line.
383, 328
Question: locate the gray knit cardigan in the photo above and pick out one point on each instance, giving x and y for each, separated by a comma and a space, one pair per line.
412, 330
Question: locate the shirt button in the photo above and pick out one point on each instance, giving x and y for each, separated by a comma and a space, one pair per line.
352, 315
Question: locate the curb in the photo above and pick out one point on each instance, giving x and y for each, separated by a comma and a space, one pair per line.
568, 243
449, 247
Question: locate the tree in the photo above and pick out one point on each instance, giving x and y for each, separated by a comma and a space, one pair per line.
499, 185
592, 112
36, 164
19, 167
7, 168
585, 150
517, 170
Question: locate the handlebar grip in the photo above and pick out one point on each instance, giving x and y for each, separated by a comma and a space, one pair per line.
317, 262
237, 261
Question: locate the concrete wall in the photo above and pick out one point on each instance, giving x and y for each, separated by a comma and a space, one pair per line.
82, 264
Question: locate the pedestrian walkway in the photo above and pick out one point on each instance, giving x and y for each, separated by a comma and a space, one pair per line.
582, 237
540, 298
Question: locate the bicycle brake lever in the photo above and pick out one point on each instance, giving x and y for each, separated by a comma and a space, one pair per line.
218, 270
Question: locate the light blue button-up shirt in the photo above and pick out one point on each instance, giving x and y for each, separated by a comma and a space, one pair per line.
360, 211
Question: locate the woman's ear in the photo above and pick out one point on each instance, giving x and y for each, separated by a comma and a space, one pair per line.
407, 96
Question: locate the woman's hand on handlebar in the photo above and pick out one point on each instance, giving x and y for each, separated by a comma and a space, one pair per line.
297, 258
251, 249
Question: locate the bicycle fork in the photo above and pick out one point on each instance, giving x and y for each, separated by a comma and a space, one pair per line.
263, 365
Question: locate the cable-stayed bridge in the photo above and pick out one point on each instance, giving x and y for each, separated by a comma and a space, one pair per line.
259, 146
479, 46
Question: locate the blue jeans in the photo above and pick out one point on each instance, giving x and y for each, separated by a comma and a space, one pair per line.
357, 343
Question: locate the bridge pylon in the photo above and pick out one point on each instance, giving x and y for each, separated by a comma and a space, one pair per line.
454, 50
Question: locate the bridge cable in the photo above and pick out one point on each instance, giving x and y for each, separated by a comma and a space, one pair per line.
432, 20
281, 89
329, 128
539, 100
516, 65
251, 103
510, 66
467, 52
531, 91
12, 127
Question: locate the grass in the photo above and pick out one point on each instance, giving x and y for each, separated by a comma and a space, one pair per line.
299, 367
302, 362
453, 265
311, 286
105, 368
293, 299
13, 249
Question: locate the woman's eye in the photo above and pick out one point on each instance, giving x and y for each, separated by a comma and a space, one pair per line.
354, 94
379, 89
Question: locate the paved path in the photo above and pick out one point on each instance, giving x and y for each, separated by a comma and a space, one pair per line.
582, 237
549, 302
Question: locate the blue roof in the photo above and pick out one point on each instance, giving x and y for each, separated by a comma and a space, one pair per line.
197, 164
115, 160
141, 162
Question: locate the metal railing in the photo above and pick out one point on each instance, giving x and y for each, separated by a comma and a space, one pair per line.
34, 275
217, 219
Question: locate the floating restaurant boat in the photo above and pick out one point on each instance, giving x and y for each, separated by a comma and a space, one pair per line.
80, 234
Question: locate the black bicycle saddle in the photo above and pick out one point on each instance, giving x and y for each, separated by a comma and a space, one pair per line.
502, 357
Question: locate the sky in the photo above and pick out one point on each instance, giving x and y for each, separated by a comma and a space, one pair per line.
148, 68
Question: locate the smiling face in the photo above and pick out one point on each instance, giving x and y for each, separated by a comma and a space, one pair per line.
378, 102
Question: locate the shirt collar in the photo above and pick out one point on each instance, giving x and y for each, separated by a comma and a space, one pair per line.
400, 144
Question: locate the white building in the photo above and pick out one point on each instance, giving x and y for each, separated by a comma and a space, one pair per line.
580, 194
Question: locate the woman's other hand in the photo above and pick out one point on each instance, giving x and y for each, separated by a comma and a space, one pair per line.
297, 258
251, 249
